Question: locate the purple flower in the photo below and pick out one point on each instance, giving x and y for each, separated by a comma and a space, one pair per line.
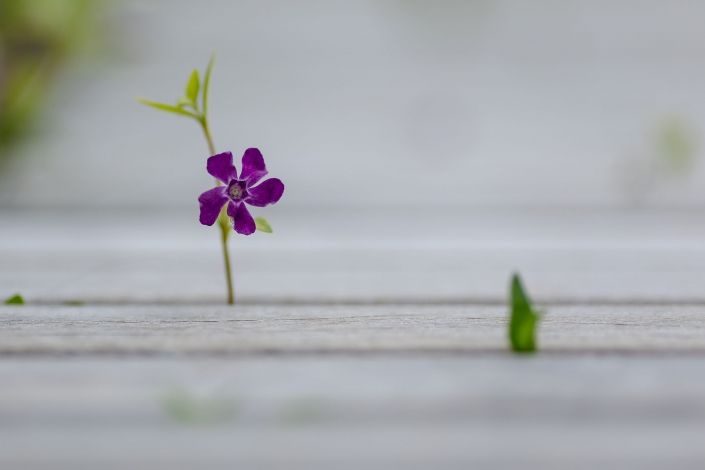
238, 191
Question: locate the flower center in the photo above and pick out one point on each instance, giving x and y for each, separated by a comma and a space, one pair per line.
235, 192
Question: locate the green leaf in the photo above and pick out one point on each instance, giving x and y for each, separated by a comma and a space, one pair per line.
166, 107
183, 101
15, 300
523, 321
263, 225
193, 86
206, 84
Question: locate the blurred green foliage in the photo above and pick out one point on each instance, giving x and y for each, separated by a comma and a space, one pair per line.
190, 409
37, 39
676, 144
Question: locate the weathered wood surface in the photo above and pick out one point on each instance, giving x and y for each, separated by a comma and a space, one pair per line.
398, 387
354, 329
154, 374
396, 412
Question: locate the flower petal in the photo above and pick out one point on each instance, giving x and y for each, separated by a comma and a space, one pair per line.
269, 192
243, 223
253, 168
221, 166
211, 202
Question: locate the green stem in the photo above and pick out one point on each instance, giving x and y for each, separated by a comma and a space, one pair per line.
222, 219
207, 132
224, 232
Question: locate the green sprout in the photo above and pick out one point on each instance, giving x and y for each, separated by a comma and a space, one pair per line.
15, 300
523, 321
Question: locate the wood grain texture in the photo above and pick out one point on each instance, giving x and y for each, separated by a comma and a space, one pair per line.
154, 374
353, 329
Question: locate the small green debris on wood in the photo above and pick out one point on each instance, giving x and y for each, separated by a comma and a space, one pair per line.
15, 300
262, 225
189, 409
523, 321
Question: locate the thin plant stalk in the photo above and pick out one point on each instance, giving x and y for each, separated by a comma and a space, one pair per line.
223, 217
188, 106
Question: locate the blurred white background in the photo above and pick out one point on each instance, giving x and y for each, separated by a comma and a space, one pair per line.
386, 103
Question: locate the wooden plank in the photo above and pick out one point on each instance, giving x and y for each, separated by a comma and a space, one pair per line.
357, 256
358, 329
341, 411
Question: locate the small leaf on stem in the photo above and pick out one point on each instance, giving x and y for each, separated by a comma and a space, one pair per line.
183, 101
206, 84
262, 225
166, 107
15, 300
193, 86
523, 320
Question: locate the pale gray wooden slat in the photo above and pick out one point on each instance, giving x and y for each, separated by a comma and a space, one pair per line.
357, 256
363, 329
342, 411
